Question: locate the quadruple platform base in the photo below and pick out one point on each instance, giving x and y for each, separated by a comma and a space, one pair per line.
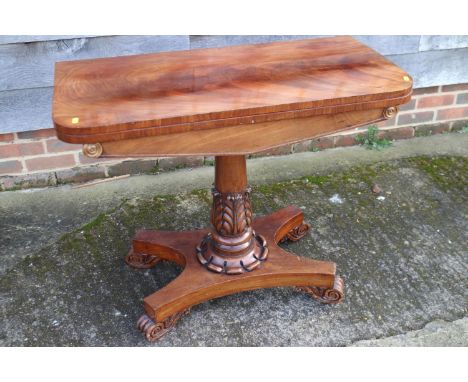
196, 284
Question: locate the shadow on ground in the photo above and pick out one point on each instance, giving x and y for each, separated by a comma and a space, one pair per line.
402, 254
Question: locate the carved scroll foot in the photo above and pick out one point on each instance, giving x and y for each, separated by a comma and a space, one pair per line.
326, 295
141, 260
297, 232
155, 330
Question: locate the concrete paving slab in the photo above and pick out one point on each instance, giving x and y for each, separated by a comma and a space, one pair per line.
436, 333
402, 252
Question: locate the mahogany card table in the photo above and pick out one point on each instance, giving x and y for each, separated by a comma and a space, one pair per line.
228, 103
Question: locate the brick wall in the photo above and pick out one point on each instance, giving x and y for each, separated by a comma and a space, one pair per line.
37, 158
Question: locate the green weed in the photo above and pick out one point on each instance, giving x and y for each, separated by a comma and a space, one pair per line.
371, 141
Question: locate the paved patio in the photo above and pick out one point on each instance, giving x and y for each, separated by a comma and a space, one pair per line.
402, 253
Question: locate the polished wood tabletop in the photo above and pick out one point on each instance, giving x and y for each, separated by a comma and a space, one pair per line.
138, 96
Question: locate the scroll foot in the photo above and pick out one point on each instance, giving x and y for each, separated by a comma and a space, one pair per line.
297, 232
155, 330
141, 260
326, 295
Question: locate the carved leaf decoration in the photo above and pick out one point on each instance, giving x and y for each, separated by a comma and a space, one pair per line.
240, 217
231, 214
228, 217
248, 210
217, 217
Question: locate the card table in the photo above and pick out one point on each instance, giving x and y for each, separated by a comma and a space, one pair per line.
227, 103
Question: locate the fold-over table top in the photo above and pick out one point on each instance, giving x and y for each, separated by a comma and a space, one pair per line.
165, 93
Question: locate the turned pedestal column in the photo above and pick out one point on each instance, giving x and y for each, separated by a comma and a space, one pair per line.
232, 246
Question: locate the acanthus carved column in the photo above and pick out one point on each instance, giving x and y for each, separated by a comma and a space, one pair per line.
232, 246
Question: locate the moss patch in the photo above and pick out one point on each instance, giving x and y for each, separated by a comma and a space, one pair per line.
447, 172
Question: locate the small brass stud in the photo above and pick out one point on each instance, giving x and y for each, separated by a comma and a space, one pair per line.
406, 78
75, 120
92, 150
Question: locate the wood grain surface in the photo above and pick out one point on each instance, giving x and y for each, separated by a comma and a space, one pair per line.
242, 139
195, 284
166, 93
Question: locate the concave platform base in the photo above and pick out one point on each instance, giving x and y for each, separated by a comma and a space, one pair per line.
196, 284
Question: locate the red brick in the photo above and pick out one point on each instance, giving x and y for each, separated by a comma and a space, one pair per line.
397, 133
87, 160
170, 163
454, 88
436, 100
345, 140
323, 143
411, 105
319, 144
80, 174
28, 181
37, 134
10, 167
141, 166
437, 128
461, 98
49, 163
302, 146
21, 149
453, 113
56, 146
281, 150
459, 125
7, 137
428, 90
385, 123
412, 118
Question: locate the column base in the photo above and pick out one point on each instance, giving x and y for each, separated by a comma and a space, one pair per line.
196, 284
247, 261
